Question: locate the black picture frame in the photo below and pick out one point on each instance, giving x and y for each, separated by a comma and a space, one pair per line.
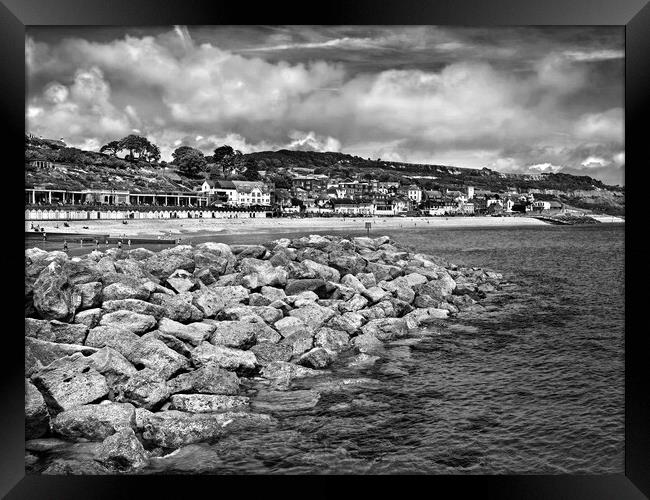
15, 15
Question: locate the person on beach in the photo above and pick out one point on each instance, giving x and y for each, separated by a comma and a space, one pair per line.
129, 243
119, 244
44, 236
96, 243
65, 246
81, 242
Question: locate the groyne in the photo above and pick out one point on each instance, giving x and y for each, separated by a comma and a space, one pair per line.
137, 353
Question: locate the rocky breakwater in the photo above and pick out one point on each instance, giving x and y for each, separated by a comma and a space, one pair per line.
131, 354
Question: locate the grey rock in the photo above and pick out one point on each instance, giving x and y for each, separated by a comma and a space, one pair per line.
120, 339
209, 379
53, 295
94, 421
237, 334
299, 342
40, 353
128, 320
145, 389
193, 333
314, 316
208, 403
155, 355
90, 317
226, 357
316, 358
177, 307
134, 305
91, 294
115, 368
55, 331
213, 300
367, 342
267, 352
289, 325
316, 285
123, 452
386, 328
172, 429
69, 382
330, 339
133, 290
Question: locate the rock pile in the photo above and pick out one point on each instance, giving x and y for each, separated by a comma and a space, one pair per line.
147, 352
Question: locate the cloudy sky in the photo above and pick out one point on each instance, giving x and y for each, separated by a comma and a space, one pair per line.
510, 99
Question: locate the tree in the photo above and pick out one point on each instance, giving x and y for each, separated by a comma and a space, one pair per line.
252, 173
189, 161
135, 144
223, 152
70, 155
152, 153
112, 147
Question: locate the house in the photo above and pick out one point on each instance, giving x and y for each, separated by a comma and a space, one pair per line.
348, 206
220, 192
414, 194
252, 193
541, 205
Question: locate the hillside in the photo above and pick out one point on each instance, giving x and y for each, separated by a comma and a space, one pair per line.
75, 169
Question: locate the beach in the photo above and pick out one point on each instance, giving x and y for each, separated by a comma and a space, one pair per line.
195, 227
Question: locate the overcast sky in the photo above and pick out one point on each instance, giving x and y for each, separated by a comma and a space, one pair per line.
511, 99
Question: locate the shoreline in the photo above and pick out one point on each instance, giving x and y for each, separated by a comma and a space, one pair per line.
197, 227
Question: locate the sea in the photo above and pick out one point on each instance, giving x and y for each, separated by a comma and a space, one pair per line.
532, 384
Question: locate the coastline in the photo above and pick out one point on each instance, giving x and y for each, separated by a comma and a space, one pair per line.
196, 227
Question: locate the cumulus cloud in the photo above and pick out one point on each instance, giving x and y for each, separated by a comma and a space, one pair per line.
468, 112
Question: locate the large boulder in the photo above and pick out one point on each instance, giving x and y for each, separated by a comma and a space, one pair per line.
347, 263
213, 300
322, 271
208, 403
69, 382
155, 355
174, 343
133, 289
173, 429
313, 316
376, 294
384, 271
134, 305
356, 303
40, 353
177, 307
193, 333
258, 273
438, 289
226, 357
268, 314
53, 295
281, 373
249, 251
55, 331
165, 262
37, 417
115, 368
120, 339
91, 294
330, 339
351, 281
367, 342
208, 379
418, 317
299, 342
316, 358
182, 281
237, 334
385, 328
267, 352
145, 389
350, 322
316, 285
90, 317
128, 320
94, 421
289, 325
123, 452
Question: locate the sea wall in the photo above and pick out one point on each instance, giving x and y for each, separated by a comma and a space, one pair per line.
136, 353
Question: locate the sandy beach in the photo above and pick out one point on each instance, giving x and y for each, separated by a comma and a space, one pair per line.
180, 227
